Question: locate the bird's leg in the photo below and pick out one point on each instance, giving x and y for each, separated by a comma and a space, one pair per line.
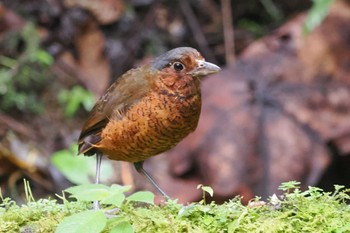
141, 170
108, 213
98, 167
97, 177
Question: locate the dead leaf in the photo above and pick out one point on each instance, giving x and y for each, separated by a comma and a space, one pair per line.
91, 64
105, 11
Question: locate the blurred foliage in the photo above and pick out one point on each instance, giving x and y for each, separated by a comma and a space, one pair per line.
24, 76
316, 14
25, 73
272, 10
257, 29
71, 100
79, 169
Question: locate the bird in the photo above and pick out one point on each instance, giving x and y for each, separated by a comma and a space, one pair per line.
147, 110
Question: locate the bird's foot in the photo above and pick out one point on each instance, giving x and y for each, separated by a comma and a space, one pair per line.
109, 213
112, 212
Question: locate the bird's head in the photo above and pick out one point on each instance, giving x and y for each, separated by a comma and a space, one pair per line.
184, 61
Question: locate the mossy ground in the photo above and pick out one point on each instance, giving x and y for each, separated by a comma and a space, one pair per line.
310, 211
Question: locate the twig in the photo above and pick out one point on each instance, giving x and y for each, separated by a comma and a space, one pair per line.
228, 32
195, 28
65, 68
17, 126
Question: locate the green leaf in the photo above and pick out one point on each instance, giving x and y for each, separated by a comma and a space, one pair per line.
114, 199
345, 228
187, 210
143, 196
79, 169
31, 38
122, 227
89, 192
89, 221
72, 99
285, 186
206, 189
7, 62
43, 57
316, 14
75, 168
5, 78
121, 188
82, 188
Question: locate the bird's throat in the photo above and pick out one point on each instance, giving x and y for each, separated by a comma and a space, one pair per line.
182, 87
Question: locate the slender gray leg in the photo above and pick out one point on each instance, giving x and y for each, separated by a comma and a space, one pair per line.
97, 177
141, 170
98, 167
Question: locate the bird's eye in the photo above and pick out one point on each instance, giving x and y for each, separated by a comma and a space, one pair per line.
178, 66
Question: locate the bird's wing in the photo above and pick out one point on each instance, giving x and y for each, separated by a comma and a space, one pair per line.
126, 91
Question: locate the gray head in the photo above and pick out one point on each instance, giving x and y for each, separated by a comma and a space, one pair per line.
197, 64
173, 55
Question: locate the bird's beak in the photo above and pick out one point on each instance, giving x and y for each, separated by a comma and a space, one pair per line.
204, 68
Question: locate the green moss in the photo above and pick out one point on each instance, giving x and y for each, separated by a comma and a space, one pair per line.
310, 211
40, 216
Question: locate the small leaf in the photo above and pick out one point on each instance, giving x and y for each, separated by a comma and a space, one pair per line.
208, 190
83, 187
143, 196
72, 99
285, 186
186, 210
89, 221
79, 169
114, 199
74, 168
317, 14
43, 57
8, 62
122, 227
89, 192
120, 188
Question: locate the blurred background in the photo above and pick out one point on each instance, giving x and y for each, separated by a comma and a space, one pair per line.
279, 110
